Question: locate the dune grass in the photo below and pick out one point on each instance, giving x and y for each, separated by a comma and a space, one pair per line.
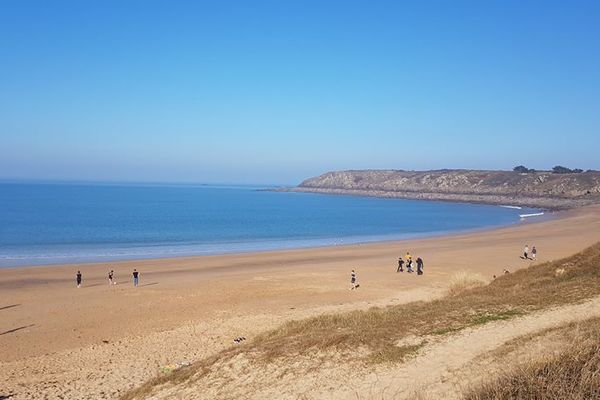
574, 374
501, 316
462, 281
378, 330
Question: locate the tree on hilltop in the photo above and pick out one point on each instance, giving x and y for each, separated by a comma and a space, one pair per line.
523, 169
559, 169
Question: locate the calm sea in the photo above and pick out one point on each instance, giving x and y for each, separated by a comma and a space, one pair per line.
68, 223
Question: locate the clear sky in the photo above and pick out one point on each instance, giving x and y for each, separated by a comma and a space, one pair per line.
276, 91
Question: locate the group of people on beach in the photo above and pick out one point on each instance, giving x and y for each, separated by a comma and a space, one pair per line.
111, 278
401, 261
525, 256
408, 260
526, 253
409, 264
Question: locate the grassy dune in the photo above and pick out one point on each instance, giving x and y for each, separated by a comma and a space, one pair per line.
574, 374
379, 329
378, 332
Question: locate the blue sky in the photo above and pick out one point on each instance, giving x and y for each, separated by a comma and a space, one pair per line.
273, 92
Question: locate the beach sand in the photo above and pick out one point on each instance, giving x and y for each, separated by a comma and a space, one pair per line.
58, 341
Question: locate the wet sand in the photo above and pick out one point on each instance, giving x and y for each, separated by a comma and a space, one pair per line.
100, 340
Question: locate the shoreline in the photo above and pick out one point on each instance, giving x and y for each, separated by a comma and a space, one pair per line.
178, 251
549, 215
541, 203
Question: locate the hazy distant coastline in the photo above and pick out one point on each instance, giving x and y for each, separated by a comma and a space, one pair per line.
543, 189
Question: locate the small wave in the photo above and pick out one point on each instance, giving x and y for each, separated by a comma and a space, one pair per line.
531, 215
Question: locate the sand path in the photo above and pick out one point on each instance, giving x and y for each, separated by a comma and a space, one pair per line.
444, 368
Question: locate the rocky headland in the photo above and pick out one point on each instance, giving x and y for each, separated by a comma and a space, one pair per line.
544, 189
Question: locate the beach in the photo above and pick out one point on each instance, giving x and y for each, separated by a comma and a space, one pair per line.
98, 341
214, 201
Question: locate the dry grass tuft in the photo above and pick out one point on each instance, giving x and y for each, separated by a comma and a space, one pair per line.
499, 316
393, 354
185, 374
463, 281
574, 374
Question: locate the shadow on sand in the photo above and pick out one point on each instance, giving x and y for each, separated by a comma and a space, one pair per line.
92, 285
149, 284
4, 308
16, 329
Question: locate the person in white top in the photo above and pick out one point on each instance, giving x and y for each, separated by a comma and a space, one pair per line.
526, 252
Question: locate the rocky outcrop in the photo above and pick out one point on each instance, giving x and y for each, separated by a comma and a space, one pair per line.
538, 189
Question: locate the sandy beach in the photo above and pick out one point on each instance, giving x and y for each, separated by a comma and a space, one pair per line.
58, 341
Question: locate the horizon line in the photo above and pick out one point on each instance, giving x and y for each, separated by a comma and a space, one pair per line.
132, 182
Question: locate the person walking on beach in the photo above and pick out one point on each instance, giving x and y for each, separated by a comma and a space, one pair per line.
110, 277
400, 263
533, 252
526, 252
419, 266
353, 280
408, 262
78, 278
135, 277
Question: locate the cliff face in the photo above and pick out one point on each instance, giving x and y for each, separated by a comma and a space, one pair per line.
539, 189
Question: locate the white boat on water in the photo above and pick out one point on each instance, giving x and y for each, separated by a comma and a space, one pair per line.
531, 215
515, 207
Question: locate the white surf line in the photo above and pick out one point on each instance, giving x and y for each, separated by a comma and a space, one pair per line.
531, 215
514, 207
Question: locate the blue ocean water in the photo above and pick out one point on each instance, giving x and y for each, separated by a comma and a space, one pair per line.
72, 223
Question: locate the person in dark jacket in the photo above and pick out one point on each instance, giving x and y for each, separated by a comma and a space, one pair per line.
419, 266
400, 264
